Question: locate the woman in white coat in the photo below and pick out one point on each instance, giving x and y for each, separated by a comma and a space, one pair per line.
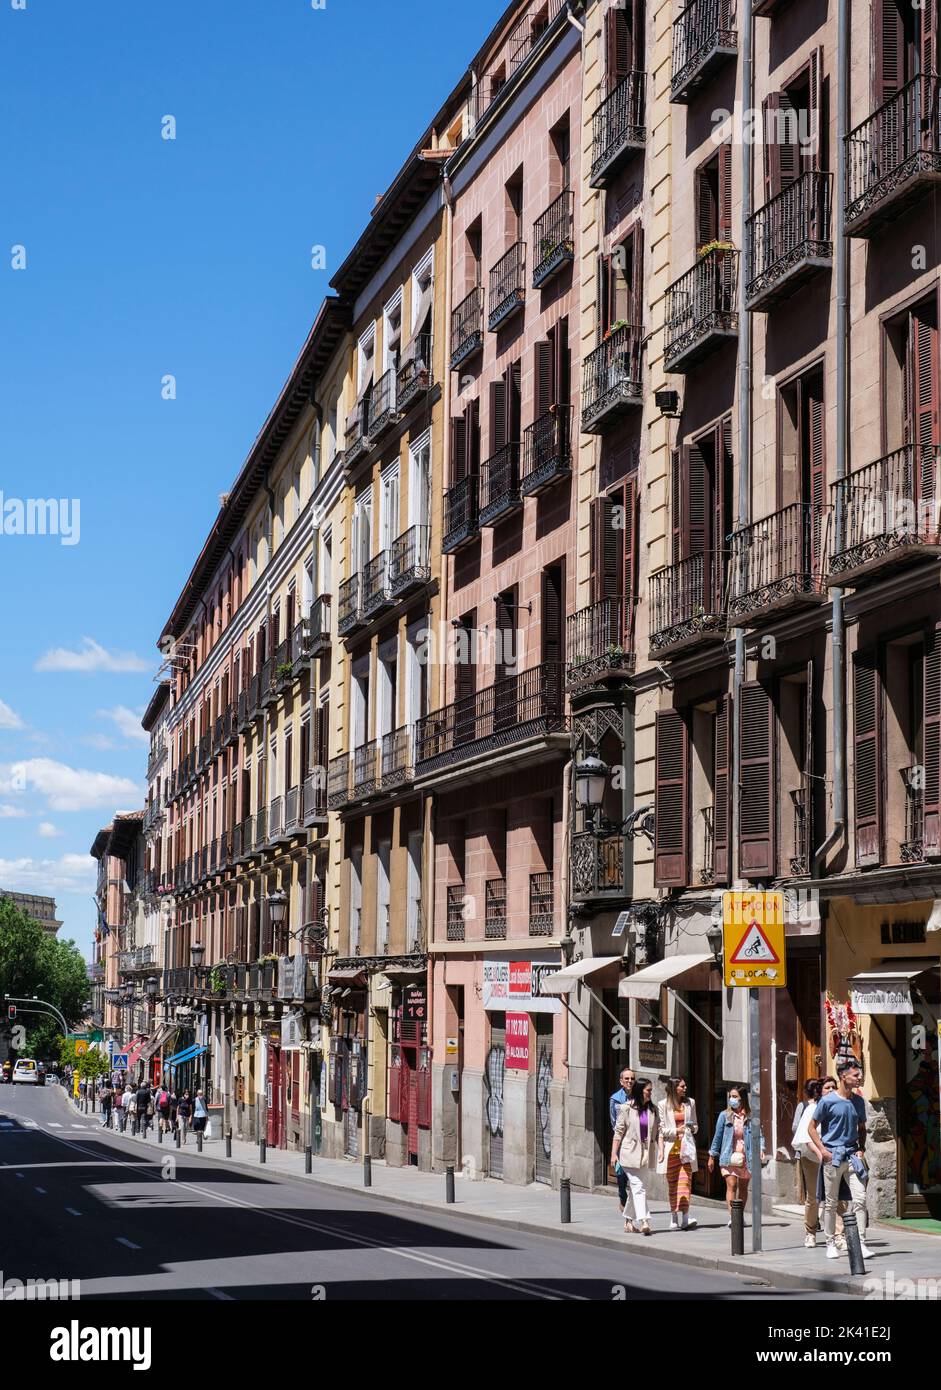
634, 1148
676, 1154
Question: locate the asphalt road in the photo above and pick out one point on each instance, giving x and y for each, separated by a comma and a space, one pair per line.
81, 1203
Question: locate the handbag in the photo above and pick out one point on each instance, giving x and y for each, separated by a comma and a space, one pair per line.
688, 1149
736, 1160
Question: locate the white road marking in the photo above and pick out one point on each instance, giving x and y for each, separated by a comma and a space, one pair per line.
21, 1175
73, 1212
40, 1190
79, 1126
54, 1124
122, 1240
217, 1293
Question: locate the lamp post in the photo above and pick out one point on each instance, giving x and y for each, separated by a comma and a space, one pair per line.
591, 781
277, 912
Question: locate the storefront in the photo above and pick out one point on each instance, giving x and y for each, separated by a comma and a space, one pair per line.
347, 1067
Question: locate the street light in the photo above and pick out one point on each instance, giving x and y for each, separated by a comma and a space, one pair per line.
715, 938
197, 951
591, 778
151, 985
277, 907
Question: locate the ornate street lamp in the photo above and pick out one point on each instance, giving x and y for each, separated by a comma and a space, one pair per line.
277, 907
591, 779
197, 952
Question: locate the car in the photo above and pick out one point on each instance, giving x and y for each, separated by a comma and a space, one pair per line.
26, 1072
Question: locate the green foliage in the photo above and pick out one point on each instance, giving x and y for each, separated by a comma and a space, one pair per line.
35, 963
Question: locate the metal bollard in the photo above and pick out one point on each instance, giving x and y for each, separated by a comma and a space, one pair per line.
738, 1226
262, 1149
176, 1135
199, 1141
228, 1144
565, 1198
853, 1243
160, 1134
308, 1159
367, 1170
449, 1183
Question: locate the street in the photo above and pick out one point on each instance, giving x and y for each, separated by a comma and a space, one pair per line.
83, 1204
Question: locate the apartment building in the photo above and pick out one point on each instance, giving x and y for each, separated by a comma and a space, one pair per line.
119, 850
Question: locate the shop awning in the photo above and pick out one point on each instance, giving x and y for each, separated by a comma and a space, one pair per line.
151, 1048
647, 983
347, 973
887, 990
934, 919
565, 980
186, 1055
135, 1049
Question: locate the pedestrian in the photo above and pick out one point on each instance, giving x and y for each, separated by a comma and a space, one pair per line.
827, 1084
162, 1106
144, 1107
676, 1154
130, 1110
732, 1146
120, 1114
808, 1160
634, 1150
184, 1112
107, 1102
838, 1127
200, 1113
622, 1096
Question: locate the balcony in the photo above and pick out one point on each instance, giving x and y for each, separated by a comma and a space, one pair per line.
276, 821
773, 566
338, 782
455, 913
242, 841
612, 378
375, 594
315, 800
495, 909
704, 38
686, 604
396, 759
890, 515
260, 830
912, 848
467, 327
366, 769
514, 711
318, 627
282, 677
507, 286
541, 905
292, 811
409, 566
547, 451
702, 309
229, 729
140, 958
893, 157
349, 617
356, 438
415, 378
500, 485
204, 756
598, 644
383, 411
554, 238
617, 129
597, 866
300, 647
789, 240
157, 753
461, 518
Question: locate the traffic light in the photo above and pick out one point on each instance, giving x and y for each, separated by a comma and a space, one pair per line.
11, 1012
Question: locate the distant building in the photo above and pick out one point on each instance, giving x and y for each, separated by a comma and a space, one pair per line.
41, 910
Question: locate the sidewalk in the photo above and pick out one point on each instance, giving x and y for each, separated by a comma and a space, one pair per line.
783, 1262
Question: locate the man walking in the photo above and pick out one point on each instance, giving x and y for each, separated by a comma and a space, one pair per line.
619, 1098
107, 1101
839, 1128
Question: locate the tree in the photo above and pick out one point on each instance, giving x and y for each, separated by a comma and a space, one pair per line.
34, 963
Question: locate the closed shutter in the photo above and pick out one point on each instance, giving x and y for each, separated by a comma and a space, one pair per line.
498, 435
932, 746
606, 548
695, 501
636, 309
676, 505
809, 786
815, 154
707, 212
544, 381
867, 757
722, 805
924, 391
929, 49
618, 46
629, 561
725, 192
604, 295
472, 426
812, 389
561, 364
769, 118
722, 475
552, 619
888, 49
756, 786
514, 402
672, 793
458, 449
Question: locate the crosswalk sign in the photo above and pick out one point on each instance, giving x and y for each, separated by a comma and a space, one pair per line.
119, 1061
754, 954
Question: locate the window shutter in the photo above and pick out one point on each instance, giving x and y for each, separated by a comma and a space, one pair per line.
498, 437
756, 786
722, 472
929, 46
619, 45
676, 503
867, 757
809, 767
725, 192
695, 518
672, 792
722, 806
472, 427
604, 296
544, 356
817, 134
707, 213
924, 389
932, 746
629, 561
561, 365
552, 654
636, 310
458, 449
888, 50
812, 389
514, 375
607, 547
770, 123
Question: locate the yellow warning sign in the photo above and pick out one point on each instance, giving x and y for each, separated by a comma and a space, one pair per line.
81, 1045
753, 945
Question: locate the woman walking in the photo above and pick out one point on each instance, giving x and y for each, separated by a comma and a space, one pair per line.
200, 1113
184, 1111
731, 1145
635, 1139
676, 1155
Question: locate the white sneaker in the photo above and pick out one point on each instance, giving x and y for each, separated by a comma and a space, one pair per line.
728, 1224
810, 1242
674, 1224
866, 1252
832, 1252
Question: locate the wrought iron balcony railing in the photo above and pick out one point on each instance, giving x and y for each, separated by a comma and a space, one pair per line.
409, 564
514, 710
801, 846
338, 781
375, 593
686, 603
775, 564
292, 810
893, 156
383, 410
507, 285
366, 769
789, 240
357, 434
701, 309
912, 848
283, 674
547, 451
599, 642
618, 128
455, 913
597, 865
139, 958
612, 378
275, 819
318, 627
704, 37
349, 616
888, 513
541, 905
415, 377
396, 758
467, 327
315, 798
500, 485
461, 517
260, 829
495, 909
554, 238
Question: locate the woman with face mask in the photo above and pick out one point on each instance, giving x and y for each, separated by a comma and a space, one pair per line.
731, 1145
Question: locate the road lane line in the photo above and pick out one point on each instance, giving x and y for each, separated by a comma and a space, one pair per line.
123, 1240
73, 1212
40, 1190
217, 1293
54, 1124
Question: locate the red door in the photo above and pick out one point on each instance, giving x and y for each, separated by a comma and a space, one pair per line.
410, 1097
274, 1096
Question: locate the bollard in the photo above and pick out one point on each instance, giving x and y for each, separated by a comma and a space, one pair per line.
160, 1134
199, 1141
367, 1170
853, 1243
738, 1226
308, 1159
565, 1197
262, 1149
228, 1144
176, 1136
449, 1183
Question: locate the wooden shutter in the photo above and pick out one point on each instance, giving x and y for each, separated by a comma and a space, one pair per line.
618, 46
929, 46
721, 475
458, 449
635, 311
888, 41
552, 618
722, 804
757, 782
498, 435
513, 377
812, 392
816, 152
672, 792
544, 383
472, 426
629, 561
867, 757
707, 212
695, 501
725, 192
561, 364
782, 145
604, 295
676, 503
932, 746
606, 548
924, 395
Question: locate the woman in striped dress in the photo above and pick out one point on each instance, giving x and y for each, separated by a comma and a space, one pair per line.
677, 1150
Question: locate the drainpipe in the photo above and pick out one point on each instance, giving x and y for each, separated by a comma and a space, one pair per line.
841, 251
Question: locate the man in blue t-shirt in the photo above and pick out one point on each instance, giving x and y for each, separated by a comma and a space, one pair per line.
838, 1128
619, 1098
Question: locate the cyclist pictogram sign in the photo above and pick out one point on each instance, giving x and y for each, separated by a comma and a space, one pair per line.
753, 940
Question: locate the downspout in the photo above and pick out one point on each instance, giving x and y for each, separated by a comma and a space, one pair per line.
841, 269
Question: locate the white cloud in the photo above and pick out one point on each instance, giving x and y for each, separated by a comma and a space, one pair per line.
70, 788
100, 741
91, 656
128, 722
72, 873
11, 813
48, 831
9, 719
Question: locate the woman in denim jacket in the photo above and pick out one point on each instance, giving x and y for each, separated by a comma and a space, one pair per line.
731, 1145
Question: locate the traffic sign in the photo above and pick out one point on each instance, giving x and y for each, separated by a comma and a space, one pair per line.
11, 1012
119, 1061
81, 1046
753, 944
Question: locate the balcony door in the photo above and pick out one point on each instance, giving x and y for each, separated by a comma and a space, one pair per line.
506, 666
904, 42
702, 512
921, 398
624, 41
794, 131
389, 528
614, 568
801, 473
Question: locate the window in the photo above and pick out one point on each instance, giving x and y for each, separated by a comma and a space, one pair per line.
422, 302
383, 896
416, 672
513, 209
473, 264
713, 197
692, 753
332, 428
356, 898
361, 720
905, 43
801, 464
624, 41
392, 333
621, 283
414, 892
419, 481
361, 540
389, 506
553, 369
702, 505
560, 157
366, 360
465, 443
387, 702
326, 562
793, 128
911, 379
506, 408
614, 528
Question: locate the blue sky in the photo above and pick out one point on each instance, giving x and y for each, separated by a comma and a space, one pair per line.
146, 257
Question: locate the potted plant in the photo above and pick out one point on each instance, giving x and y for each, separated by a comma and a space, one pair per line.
217, 980
284, 671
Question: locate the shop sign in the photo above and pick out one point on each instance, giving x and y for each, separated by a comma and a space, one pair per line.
652, 1048
517, 984
415, 1004
291, 1030
890, 997
517, 1042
